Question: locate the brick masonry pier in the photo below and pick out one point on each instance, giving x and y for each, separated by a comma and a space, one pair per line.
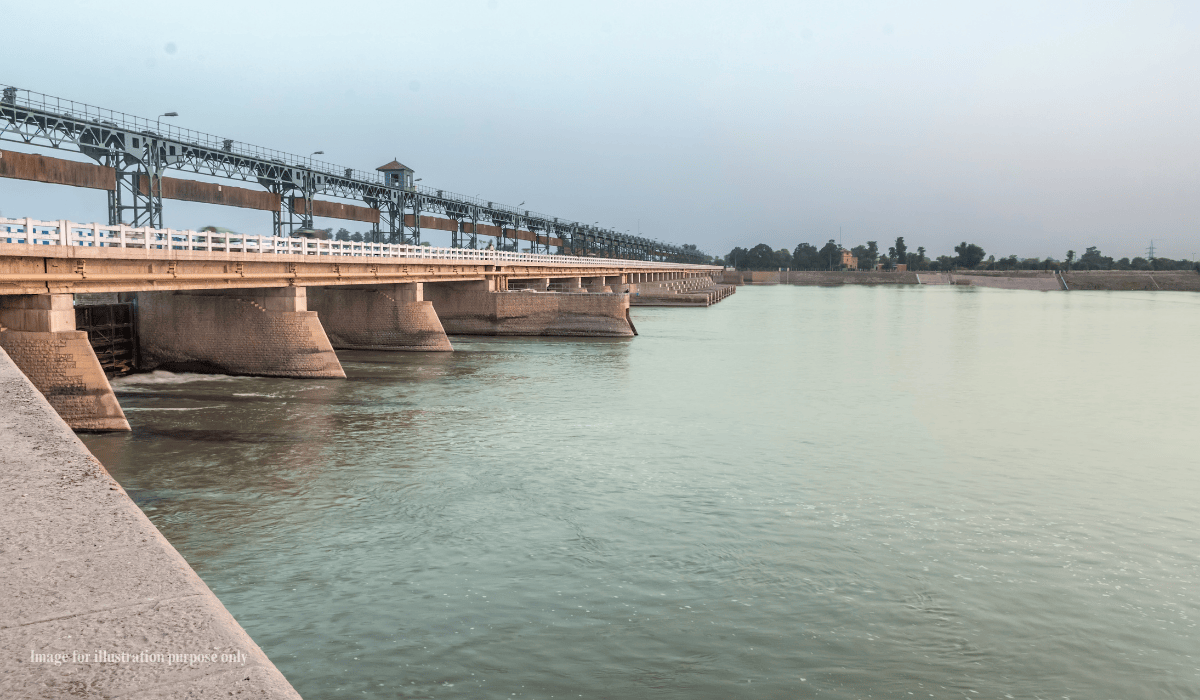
264, 332
38, 332
384, 317
472, 308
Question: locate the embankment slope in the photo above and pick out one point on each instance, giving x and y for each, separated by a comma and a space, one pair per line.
82, 569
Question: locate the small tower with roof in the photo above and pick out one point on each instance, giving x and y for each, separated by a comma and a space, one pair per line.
396, 174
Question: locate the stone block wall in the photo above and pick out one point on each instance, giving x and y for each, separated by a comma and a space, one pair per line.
38, 333
262, 332
63, 366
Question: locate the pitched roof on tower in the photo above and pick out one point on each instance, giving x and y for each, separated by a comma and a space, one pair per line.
393, 166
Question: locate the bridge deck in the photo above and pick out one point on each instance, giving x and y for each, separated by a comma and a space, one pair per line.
39, 257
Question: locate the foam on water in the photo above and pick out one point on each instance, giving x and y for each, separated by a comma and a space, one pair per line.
159, 376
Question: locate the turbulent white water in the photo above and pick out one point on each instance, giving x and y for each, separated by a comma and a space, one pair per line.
800, 492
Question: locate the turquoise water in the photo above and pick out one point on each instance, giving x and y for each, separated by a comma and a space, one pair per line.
799, 492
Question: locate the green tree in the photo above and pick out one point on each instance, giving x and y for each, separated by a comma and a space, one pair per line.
760, 257
1092, 258
783, 258
866, 254
1070, 258
805, 257
969, 254
917, 260
830, 256
342, 235
901, 253
735, 256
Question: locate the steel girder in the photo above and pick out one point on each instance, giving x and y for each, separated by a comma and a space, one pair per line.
142, 148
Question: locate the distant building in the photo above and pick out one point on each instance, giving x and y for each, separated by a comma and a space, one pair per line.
397, 174
849, 261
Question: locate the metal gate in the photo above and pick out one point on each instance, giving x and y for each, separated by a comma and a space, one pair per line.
112, 331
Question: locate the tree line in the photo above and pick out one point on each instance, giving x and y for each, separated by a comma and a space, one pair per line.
967, 256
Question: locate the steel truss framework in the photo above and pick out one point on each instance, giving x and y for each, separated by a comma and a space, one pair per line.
141, 149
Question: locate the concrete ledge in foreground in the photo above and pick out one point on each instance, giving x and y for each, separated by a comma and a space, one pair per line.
82, 570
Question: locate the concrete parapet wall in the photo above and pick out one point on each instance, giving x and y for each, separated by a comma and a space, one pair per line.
763, 277
262, 332
386, 317
1122, 280
85, 570
830, 279
1043, 283
38, 332
1045, 280
468, 309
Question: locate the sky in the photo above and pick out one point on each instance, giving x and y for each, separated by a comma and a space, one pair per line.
1029, 128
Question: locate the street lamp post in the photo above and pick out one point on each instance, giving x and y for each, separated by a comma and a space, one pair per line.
155, 168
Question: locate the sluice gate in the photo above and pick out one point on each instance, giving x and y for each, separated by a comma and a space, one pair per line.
112, 331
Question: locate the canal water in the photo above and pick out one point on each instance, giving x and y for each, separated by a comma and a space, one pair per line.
800, 492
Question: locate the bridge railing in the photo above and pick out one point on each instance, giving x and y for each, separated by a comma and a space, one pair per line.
69, 233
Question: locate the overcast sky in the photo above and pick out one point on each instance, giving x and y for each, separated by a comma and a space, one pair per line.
1026, 127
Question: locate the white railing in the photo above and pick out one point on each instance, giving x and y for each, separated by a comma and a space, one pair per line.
69, 233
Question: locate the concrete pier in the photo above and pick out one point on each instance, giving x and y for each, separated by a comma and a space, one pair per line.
540, 284
266, 332
566, 284
86, 571
686, 291
472, 308
38, 332
380, 317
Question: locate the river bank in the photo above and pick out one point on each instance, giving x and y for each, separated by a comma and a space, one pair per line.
1040, 280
